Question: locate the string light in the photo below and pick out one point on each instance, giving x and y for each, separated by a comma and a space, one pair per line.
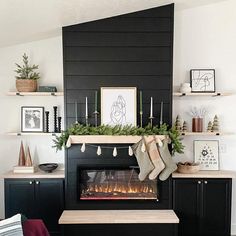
99, 151
130, 151
143, 148
83, 148
114, 152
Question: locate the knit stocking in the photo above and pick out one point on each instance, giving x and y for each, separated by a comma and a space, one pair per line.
155, 158
167, 159
143, 160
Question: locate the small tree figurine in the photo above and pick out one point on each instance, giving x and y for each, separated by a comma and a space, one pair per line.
209, 126
178, 123
26, 71
185, 127
26, 79
215, 126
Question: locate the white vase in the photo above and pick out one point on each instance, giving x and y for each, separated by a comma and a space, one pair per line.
185, 88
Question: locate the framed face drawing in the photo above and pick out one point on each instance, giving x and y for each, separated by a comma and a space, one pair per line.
202, 80
119, 106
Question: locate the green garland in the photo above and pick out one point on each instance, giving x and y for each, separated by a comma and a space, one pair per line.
79, 129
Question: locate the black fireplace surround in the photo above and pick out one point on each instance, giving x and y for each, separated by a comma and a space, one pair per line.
132, 50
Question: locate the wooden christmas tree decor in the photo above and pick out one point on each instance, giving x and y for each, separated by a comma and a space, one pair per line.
21, 161
215, 126
209, 126
185, 127
178, 123
28, 160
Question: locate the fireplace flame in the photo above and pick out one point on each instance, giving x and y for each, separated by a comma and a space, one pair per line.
119, 188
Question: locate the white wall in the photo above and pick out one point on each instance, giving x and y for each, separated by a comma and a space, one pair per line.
48, 54
205, 38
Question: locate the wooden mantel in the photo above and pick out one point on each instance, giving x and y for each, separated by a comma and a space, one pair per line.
106, 139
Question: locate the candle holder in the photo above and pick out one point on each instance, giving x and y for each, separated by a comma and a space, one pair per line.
96, 113
141, 119
55, 118
59, 124
46, 121
161, 114
76, 113
151, 118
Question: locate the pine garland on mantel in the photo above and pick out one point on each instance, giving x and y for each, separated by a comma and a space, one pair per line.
80, 129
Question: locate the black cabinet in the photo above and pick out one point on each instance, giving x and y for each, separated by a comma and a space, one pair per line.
36, 198
203, 206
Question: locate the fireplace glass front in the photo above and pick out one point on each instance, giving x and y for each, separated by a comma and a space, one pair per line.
115, 184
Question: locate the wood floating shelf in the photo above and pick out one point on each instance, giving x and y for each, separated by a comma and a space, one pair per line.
35, 93
205, 133
217, 94
31, 134
106, 139
118, 217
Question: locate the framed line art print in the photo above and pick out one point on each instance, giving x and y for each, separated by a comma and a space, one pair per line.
32, 119
202, 80
206, 152
119, 106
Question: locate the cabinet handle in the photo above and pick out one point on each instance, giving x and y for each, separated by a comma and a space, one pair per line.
205, 182
37, 182
199, 182
31, 182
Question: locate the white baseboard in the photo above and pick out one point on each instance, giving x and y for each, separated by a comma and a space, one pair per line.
233, 229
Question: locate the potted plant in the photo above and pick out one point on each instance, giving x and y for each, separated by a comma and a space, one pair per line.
26, 79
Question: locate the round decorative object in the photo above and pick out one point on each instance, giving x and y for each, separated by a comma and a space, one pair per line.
48, 167
185, 88
188, 168
26, 85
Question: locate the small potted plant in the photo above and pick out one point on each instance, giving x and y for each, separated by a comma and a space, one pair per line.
26, 79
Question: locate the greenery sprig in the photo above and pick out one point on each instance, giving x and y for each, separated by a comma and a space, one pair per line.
80, 129
26, 71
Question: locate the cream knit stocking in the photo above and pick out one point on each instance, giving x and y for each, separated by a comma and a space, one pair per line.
167, 159
155, 158
143, 160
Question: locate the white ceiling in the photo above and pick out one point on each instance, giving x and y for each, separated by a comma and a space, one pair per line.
28, 20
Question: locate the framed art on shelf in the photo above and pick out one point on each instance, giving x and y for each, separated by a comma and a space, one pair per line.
119, 106
32, 119
206, 152
202, 80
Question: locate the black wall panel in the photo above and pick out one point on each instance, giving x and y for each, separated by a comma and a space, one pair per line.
132, 50
128, 50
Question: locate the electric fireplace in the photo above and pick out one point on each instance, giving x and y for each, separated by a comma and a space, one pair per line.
115, 184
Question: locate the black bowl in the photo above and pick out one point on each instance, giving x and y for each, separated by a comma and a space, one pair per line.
48, 167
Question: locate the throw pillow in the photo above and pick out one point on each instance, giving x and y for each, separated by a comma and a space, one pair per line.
11, 226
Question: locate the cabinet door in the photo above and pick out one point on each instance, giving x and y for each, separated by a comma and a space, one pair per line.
19, 197
50, 202
186, 199
216, 208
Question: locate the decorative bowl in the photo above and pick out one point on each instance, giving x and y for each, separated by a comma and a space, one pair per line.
188, 168
48, 167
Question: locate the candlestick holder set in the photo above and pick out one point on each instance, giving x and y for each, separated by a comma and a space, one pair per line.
56, 121
96, 113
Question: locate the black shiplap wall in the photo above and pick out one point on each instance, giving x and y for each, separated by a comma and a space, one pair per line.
132, 50
128, 50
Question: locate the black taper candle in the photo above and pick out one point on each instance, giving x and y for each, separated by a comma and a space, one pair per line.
46, 121
55, 118
59, 124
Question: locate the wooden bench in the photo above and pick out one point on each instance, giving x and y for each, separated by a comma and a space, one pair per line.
119, 222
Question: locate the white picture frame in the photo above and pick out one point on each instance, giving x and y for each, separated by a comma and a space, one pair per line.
206, 152
119, 106
32, 119
202, 80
